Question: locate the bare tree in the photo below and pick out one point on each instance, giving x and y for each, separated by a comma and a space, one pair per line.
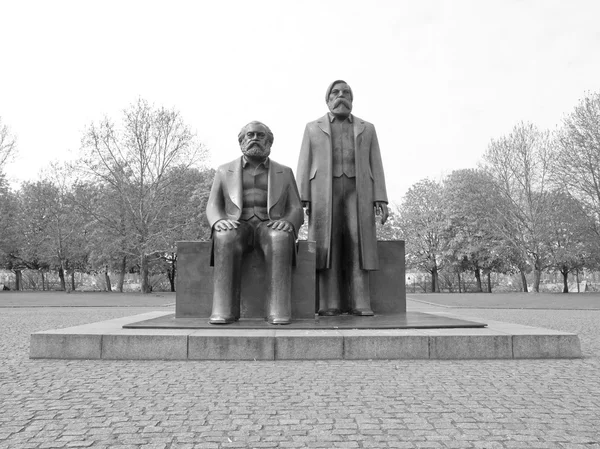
521, 165
577, 157
8, 145
135, 160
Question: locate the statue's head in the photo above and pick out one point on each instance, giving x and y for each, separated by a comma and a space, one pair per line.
255, 140
339, 98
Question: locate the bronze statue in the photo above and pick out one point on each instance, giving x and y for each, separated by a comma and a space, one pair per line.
254, 203
342, 186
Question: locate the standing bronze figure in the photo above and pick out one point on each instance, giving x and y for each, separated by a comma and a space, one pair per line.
254, 203
342, 185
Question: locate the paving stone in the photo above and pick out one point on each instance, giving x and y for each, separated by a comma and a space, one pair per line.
453, 344
308, 345
65, 346
385, 344
250, 344
546, 346
157, 344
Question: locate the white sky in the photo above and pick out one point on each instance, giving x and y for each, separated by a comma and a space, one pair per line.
439, 79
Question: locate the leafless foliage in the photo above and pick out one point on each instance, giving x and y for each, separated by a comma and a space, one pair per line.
136, 160
8, 145
521, 164
577, 161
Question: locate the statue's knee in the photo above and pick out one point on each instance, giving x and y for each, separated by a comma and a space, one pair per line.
279, 238
230, 237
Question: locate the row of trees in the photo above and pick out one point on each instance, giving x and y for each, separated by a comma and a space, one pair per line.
532, 205
137, 188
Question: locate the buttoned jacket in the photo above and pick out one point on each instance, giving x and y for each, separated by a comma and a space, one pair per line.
226, 196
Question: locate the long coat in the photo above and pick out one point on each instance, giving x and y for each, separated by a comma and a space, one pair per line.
314, 176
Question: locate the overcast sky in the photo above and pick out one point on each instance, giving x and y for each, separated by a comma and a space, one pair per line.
438, 79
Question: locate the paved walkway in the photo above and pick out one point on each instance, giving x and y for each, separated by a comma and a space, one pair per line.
378, 404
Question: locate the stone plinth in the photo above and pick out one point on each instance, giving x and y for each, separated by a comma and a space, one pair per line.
195, 281
110, 340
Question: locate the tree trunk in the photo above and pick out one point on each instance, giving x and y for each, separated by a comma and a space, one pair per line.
43, 281
18, 280
171, 276
577, 279
122, 274
489, 279
107, 279
478, 277
435, 283
172, 272
61, 275
145, 287
524, 281
537, 276
459, 286
73, 280
565, 274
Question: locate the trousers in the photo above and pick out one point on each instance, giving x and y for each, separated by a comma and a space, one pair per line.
229, 248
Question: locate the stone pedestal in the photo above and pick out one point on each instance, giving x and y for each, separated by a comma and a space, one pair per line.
388, 292
115, 339
194, 284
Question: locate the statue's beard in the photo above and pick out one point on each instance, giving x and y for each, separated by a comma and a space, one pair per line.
255, 149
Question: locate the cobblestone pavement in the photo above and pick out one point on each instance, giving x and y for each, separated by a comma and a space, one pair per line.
337, 404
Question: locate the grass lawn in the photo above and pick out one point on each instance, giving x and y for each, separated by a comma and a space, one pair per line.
84, 299
516, 300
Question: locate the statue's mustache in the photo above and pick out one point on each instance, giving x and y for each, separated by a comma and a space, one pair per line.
255, 144
342, 101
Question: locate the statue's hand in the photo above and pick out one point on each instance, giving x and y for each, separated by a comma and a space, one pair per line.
306, 205
381, 209
281, 225
225, 225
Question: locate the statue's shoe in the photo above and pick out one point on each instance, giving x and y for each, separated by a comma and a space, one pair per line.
330, 312
279, 320
221, 319
362, 312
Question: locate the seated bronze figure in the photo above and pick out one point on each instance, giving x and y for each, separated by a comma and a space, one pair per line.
254, 204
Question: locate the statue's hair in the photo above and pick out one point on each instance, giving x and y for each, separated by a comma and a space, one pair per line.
331, 87
270, 137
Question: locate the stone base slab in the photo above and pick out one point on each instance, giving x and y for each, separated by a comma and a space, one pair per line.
407, 320
109, 340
